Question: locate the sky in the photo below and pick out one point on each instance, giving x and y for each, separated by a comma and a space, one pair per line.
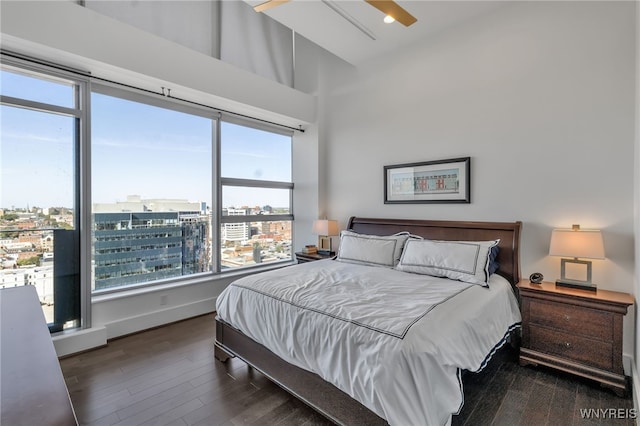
136, 149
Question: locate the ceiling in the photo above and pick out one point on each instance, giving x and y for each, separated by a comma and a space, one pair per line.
317, 21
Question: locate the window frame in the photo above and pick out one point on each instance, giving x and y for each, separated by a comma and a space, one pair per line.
116, 90
82, 151
217, 219
250, 183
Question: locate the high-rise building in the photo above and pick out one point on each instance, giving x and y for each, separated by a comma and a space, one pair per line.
162, 239
235, 231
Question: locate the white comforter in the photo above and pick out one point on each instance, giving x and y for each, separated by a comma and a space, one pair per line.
392, 340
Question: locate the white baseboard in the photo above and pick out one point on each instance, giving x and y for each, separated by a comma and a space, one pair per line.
157, 318
627, 364
79, 340
635, 386
94, 337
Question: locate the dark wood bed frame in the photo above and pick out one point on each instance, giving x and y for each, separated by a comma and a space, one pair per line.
328, 400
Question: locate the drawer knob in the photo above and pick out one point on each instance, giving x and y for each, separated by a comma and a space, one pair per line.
567, 345
567, 317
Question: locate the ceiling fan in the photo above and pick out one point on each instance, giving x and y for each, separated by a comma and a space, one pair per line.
388, 7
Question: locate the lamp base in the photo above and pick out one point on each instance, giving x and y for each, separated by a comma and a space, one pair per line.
324, 245
582, 285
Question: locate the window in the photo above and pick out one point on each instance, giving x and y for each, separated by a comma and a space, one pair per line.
256, 216
151, 186
153, 182
166, 190
40, 139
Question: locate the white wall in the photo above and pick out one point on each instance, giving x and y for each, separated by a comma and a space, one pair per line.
313, 65
72, 35
540, 95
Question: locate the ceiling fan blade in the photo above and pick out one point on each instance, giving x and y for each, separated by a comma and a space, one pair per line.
268, 5
393, 9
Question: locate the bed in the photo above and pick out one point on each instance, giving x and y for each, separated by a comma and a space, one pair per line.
364, 342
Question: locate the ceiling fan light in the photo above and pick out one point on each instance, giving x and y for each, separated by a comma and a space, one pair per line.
389, 19
389, 7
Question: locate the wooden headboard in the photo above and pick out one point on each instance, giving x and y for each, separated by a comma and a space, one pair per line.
507, 232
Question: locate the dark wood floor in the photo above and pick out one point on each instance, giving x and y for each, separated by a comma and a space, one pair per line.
168, 376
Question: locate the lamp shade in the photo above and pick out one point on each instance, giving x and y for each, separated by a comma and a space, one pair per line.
577, 243
325, 227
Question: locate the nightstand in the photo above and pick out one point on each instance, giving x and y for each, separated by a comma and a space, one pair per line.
303, 257
577, 331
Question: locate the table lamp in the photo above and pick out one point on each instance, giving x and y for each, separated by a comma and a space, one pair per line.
576, 243
325, 229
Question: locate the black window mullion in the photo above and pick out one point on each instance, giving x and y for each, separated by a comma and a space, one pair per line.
256, 218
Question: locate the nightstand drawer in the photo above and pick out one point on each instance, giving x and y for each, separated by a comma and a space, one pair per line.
572, 319
588, 351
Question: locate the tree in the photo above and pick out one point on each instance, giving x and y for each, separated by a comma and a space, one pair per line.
34, 260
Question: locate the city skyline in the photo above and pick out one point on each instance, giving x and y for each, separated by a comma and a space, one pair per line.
30, 207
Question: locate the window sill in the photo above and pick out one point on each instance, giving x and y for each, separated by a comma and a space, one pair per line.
209, 278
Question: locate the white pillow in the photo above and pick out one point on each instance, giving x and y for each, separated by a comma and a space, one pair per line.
466, 261
371, 250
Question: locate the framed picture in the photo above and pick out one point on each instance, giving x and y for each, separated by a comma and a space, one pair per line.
442, 181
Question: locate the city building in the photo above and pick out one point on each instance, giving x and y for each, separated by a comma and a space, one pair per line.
145, 240
235, 232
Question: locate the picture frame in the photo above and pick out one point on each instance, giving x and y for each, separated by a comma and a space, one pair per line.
440, 181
